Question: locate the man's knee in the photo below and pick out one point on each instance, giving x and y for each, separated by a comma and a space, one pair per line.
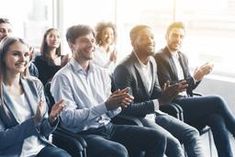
156, 136
192, 134
57, 152
117, 150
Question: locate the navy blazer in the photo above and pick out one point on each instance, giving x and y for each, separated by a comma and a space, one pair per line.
13, 132
128, 74
167, 70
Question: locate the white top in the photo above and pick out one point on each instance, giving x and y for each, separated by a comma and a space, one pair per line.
32, 145
179, 69
147, 73
102, 59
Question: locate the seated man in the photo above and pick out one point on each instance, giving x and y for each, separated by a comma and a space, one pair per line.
86, 89
138, 71
198, 111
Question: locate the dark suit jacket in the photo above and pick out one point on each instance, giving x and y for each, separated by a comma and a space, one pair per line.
128, 74
166, 69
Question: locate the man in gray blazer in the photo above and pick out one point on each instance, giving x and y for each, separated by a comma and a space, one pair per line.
139, 72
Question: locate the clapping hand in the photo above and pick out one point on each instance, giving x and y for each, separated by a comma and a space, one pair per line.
200, 72
169, 92
56, 110
40, 112
119, 98
113, 56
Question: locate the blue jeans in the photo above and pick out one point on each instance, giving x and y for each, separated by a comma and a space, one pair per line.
214, 112
52, 152
177, 131
123, 141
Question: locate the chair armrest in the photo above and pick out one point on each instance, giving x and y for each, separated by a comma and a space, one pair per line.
72, 143
197, 94
129, 120
174, 110
71, 134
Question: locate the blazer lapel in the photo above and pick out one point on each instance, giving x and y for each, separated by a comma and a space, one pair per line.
183, 64
10, 104
154, 74
172, 69
31, 95
140, 74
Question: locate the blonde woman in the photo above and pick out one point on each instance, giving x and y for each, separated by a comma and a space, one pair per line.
24, 122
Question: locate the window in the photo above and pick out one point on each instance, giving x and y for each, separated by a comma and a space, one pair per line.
29, 18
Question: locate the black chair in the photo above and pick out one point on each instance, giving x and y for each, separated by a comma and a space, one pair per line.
74, 144
174, 110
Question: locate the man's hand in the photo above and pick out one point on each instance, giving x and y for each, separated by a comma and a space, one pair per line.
200, 72
119, 98
169, 92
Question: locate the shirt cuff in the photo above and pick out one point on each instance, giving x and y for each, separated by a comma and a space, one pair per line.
156, 105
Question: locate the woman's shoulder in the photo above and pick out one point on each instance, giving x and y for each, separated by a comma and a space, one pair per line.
33, 80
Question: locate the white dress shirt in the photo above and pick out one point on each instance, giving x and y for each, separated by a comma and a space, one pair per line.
85, 94
179, 69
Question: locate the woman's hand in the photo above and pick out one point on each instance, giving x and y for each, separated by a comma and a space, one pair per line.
55, 111
40, 112
113, 56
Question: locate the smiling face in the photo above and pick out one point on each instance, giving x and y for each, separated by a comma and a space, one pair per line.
16, 58
84, 47
107, 36
144, 42
175, 38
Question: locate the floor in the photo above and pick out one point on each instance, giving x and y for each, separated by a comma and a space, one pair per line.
214, 153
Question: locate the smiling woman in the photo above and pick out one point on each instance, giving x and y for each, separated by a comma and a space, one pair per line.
24, 121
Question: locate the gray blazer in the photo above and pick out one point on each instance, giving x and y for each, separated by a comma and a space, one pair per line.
128, 74
12, 131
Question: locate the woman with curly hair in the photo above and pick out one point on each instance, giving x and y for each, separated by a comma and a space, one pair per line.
106, 54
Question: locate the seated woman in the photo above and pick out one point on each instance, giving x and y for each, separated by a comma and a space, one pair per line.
106, 54
51, 59
24, 122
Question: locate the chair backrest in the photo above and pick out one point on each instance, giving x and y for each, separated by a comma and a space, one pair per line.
49, 98
72, 143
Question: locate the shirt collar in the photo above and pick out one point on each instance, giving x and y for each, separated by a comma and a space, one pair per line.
142, 65
78, 68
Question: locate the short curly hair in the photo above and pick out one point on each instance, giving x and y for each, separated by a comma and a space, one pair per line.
100, 27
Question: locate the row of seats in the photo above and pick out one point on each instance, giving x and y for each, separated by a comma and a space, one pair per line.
76, 145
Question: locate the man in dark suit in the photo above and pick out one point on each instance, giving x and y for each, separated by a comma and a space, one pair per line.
198, 111
138, 71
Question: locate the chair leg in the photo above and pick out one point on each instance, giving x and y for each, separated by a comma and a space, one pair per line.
210, 142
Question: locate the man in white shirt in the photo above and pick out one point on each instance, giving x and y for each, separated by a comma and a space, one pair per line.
90, 105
